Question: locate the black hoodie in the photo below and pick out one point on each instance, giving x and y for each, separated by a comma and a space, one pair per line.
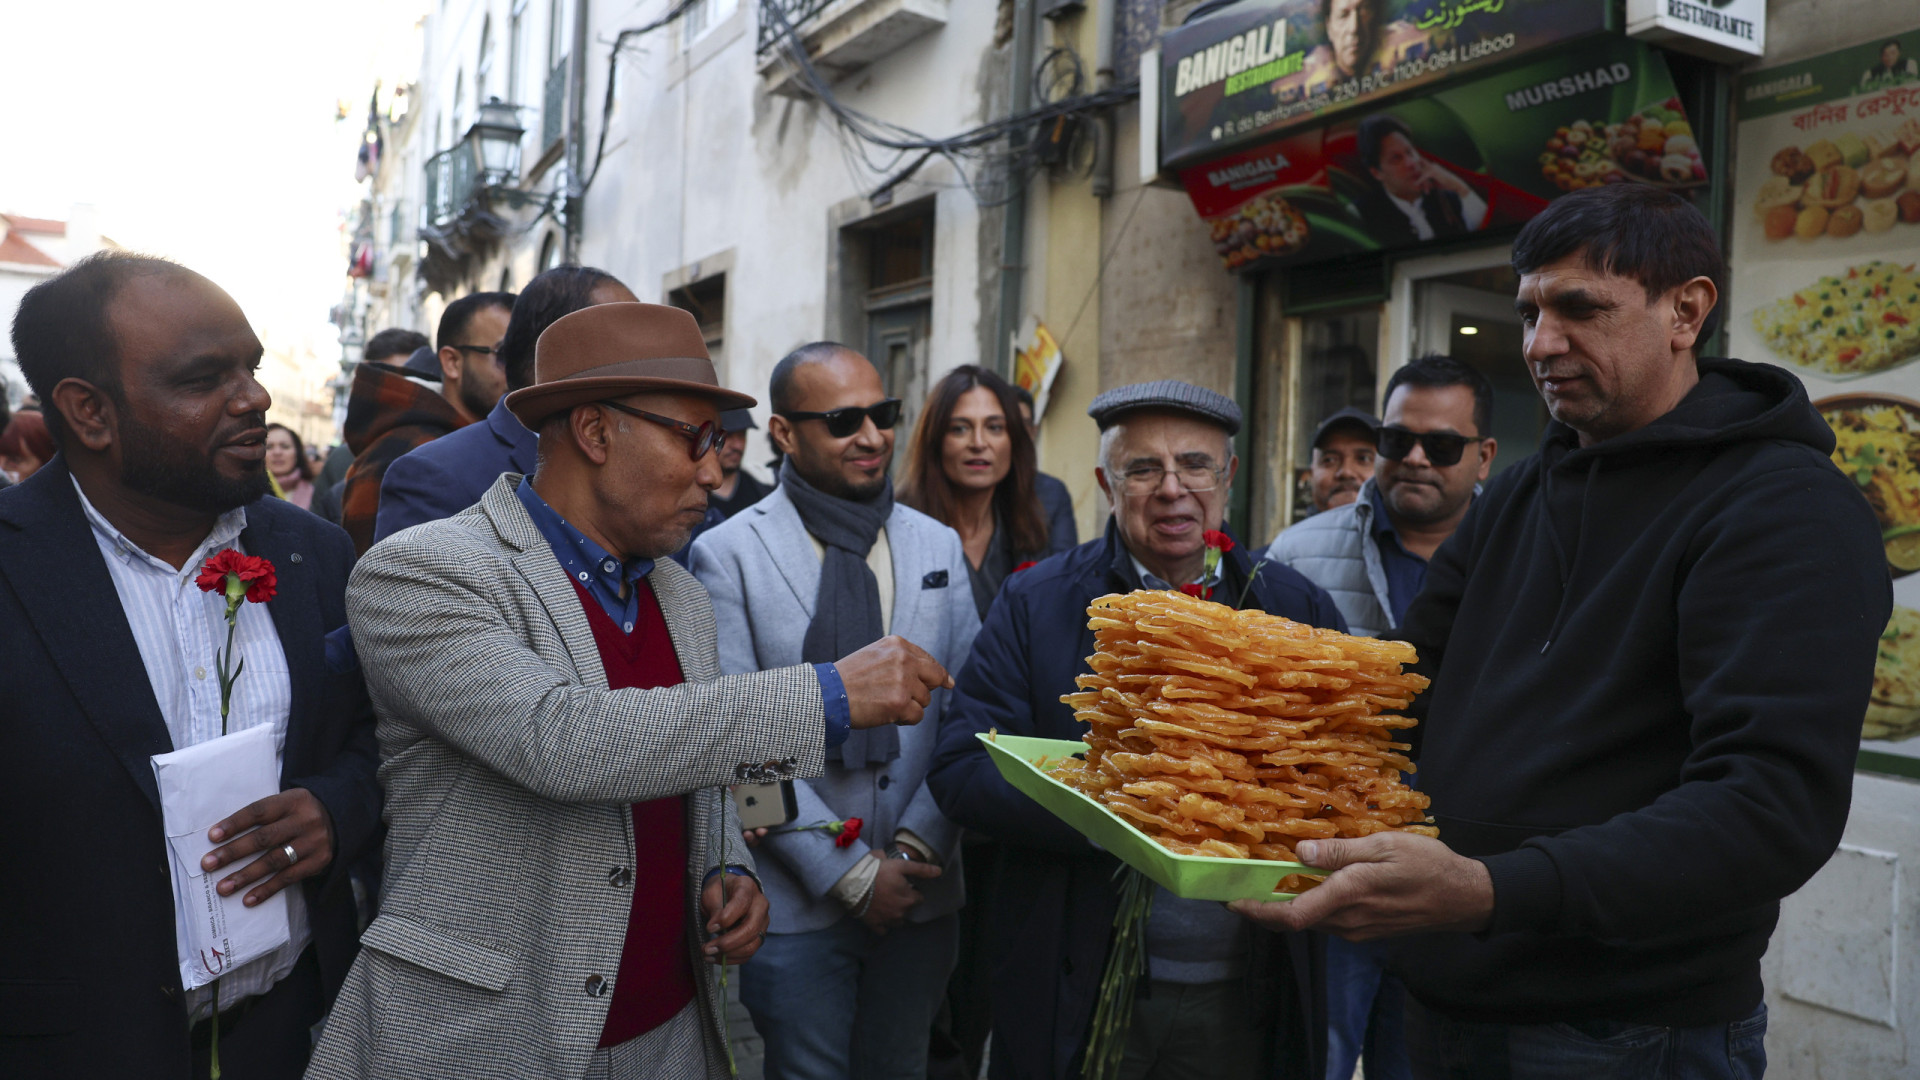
1650, 659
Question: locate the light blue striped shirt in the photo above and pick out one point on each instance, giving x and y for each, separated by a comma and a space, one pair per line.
179, 630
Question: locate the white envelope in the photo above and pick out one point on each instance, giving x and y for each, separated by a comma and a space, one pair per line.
200, 786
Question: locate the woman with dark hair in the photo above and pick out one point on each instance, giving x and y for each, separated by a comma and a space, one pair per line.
25, 445
293, 471
971, 466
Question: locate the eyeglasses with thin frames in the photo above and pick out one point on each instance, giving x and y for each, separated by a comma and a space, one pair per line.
701, 437
844, 422
1196, 478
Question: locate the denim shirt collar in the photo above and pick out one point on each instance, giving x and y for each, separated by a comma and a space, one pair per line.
606, 579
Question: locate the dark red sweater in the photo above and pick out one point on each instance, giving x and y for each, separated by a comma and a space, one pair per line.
655, 980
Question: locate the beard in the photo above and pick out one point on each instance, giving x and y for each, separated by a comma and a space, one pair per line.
474, 399
164, 469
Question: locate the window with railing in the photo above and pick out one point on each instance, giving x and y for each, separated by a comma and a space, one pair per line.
452, 177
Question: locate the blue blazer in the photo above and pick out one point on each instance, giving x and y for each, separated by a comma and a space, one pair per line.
449, 474
1056, 896
86, 934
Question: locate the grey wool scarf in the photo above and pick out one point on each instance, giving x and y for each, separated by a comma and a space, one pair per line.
846, 610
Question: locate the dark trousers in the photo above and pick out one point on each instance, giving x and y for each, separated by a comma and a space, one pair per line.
1442, 1048
269, 1037
1363, 1013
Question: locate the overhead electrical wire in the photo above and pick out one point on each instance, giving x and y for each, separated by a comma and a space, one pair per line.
1006, 168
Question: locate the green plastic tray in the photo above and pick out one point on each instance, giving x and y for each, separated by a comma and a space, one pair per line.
1191, 877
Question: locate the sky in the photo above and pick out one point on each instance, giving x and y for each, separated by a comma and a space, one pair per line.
205, 131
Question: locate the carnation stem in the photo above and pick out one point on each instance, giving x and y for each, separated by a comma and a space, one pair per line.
213, 1054
1126, 962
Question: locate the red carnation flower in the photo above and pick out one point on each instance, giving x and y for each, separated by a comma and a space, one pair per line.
1214, 538
849, 832
1194, 588
255, 574
1025, 565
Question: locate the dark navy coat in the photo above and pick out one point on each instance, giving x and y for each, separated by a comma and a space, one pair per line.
449, 474
89, 982
1056, 899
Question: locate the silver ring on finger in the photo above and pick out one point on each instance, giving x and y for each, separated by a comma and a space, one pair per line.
292, 856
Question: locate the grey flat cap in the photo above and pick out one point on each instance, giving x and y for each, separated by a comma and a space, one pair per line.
1168, 394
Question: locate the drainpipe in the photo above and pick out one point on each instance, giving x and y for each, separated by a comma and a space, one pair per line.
576, 130
1013, 231
1103, 80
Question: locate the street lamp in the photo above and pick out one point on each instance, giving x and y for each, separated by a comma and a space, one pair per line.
497, 132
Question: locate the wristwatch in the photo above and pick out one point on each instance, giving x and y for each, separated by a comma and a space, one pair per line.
895, 851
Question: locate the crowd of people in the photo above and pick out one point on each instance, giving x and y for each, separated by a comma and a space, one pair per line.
533, 622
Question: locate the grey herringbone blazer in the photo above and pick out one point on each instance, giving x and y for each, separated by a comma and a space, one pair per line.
508, 767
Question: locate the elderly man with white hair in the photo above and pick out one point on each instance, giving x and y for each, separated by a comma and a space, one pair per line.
1225, 999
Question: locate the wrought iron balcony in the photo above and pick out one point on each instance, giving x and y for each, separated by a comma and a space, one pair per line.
796, 13
841, 36
453, 178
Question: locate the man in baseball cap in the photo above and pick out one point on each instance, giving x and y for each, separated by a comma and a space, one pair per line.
1344, 447
738, 488
1226, 999
562, 853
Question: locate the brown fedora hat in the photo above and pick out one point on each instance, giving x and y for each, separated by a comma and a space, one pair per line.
610, 350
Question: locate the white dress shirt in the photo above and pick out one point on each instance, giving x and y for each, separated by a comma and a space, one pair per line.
1473, 210
179, 631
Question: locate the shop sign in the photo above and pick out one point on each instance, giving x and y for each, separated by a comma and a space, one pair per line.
1484, 155
1826, 282
1730, 30
1262, 66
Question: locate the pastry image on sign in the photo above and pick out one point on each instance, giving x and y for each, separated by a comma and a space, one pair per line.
1841, 186
1893, 712
1877, 445
1861, 322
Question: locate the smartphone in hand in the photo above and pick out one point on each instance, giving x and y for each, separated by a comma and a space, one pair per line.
766, 806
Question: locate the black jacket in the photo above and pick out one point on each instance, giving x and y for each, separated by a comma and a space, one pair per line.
89, 983
1650, 660
1052, 909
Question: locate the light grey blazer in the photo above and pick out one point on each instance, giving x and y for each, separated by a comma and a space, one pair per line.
509, 767
761, 570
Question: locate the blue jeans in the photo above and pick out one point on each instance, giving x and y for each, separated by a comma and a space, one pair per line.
846, 1002
1364, 1014
1445, 1049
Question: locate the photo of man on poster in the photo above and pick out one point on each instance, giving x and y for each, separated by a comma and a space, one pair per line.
1412, 197
1893, 69
1362, 39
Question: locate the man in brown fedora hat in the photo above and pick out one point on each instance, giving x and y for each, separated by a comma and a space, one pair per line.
555, 737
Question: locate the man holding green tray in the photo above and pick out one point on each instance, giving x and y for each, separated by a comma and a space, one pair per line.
1651, 645
1222, 999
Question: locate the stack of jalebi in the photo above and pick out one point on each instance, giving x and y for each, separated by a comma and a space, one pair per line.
1239, 733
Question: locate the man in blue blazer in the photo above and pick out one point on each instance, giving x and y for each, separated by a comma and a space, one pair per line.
1224, 999
449, 474
146, 370
863, 933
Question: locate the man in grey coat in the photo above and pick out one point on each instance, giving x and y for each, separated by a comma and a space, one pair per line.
564, 868
1371, 555
863, 933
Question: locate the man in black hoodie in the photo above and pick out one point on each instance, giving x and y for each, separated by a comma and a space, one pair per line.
1650, 647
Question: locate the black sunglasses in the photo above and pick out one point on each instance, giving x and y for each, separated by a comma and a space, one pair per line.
484, 350
844, 422
1442, 448
703, 437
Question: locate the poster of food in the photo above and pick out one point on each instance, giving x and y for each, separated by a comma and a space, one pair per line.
1263, 66
1482, 155
1826, 282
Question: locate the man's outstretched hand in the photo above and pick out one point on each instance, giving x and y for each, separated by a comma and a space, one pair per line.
1383, 885
890, 682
